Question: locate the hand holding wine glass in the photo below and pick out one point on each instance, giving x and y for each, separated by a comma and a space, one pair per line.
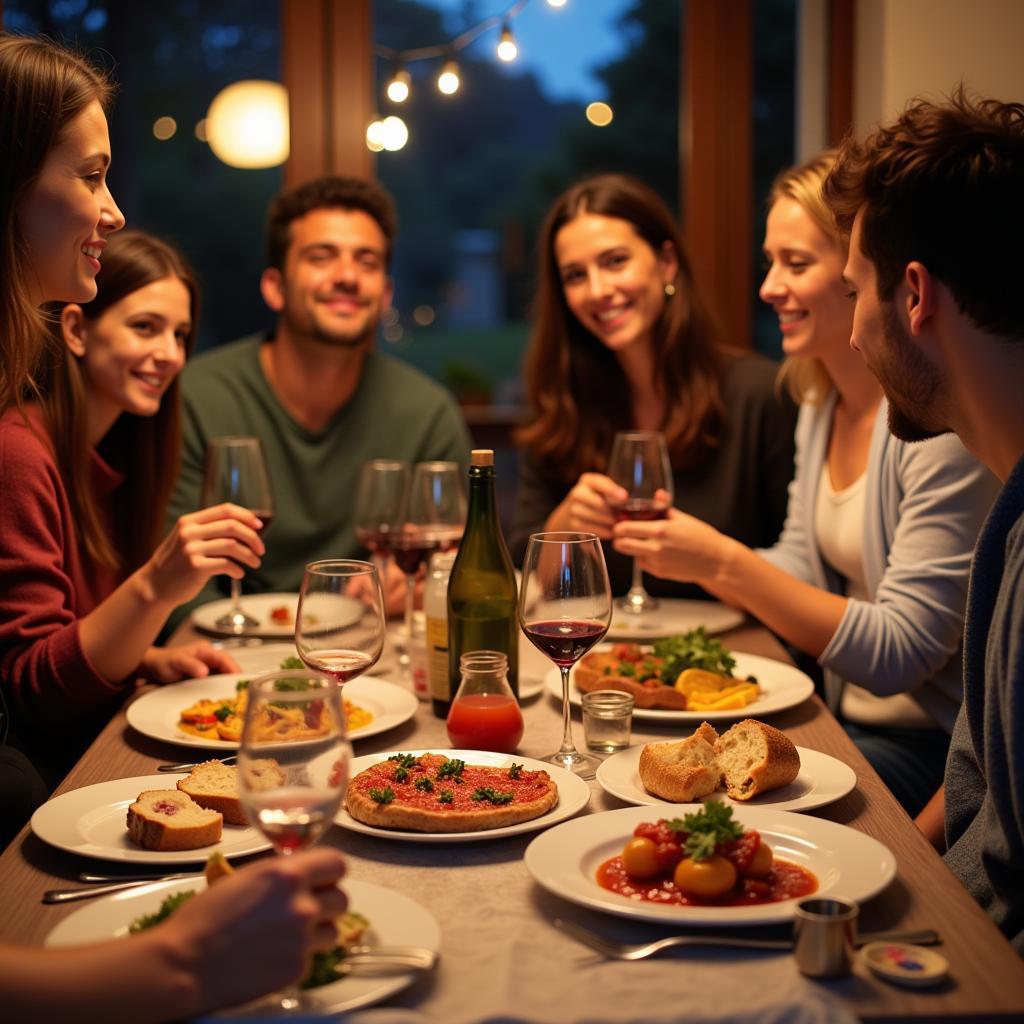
339, 625
639, 463
293, 763
236, 472
565, 607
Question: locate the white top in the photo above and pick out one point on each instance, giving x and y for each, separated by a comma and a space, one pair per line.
839, 533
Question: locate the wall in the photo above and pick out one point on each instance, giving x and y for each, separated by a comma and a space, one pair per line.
905, 48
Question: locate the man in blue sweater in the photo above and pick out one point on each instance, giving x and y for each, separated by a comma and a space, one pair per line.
934, 204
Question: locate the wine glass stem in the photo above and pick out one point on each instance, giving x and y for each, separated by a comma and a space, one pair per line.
236, 595
638, 580
568, 747
410, 595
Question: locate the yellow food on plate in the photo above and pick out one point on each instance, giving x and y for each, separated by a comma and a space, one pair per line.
711, 691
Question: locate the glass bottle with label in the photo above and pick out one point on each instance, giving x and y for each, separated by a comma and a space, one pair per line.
435, 609
482, 589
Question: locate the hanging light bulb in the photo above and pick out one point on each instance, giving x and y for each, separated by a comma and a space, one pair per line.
507, 49
247, 124
394, 134
556, 3
375, 136
398, 87
448, 80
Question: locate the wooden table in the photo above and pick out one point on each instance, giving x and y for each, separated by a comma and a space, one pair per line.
987, 976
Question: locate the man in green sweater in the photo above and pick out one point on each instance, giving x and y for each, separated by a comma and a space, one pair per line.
316, 392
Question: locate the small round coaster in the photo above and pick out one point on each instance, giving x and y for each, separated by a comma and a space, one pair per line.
906, 964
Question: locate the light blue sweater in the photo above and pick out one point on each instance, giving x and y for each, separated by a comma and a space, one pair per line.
924, 505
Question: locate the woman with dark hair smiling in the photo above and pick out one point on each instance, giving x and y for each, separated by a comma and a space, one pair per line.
623, 341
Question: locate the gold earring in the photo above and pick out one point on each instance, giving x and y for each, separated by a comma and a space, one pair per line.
670, 289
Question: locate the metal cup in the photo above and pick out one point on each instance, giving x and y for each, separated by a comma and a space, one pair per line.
824, 937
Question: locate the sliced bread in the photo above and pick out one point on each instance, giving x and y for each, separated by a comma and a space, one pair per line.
215, 786
754, 758
682, 770
167, 819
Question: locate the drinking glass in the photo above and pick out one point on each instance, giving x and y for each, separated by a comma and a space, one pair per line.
339, 626
236, 471
381, 497
639, 463
293, 764
436, 517
565, 607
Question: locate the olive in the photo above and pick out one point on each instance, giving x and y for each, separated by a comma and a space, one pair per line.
707, 879
640, 859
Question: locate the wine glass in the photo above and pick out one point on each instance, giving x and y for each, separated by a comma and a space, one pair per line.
381, 497
565, 607
236, 471
339, 626
639, 463
435, 521
293, 764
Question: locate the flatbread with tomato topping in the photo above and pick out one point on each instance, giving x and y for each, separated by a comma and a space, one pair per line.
433, 793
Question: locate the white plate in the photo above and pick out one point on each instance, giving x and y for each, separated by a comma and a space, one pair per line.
394, 919
822, 779
348, 611
673, 615
158, 712
573, 796
848, 864
91, 823
782, 687
255, 657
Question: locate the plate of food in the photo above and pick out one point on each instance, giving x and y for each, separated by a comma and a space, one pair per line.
275, 614
707, 865
378, 917
751, 764
208, 712
687, 678
457, 796
673, 615
146, 820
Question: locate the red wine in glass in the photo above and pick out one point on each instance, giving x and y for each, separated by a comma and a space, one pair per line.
266, 517
639, 510
339, 663
565, 641
410, 554
376, 540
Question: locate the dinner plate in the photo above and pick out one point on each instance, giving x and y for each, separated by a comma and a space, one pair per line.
573, 796
346, 611
673, 615
156, 714
395, 919
782, 687
822, 779
255, 657
91, 822
848, 864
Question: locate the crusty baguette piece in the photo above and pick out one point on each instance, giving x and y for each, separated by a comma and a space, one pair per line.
755, 758
167, 819
215, 786
682, 770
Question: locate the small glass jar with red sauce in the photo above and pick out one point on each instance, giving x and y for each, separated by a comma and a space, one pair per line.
485, 714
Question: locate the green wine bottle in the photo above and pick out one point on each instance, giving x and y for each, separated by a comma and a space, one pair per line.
482, 587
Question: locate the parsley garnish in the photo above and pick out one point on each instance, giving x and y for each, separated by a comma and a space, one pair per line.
446, 797
451, 769
401, 774
692, 650
424, 783
707, 828
382, 796
491, 794
515, 770
405, 760
168, 907
223, 712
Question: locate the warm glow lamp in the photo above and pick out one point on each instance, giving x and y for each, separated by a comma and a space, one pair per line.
507, 49
400, 85
448, 79
247, 124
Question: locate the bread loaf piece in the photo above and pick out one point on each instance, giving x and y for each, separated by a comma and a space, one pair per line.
682, 770
215, 786
167, 820
755, 758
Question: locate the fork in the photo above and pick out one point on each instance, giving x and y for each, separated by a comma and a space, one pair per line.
187, 767
639, 951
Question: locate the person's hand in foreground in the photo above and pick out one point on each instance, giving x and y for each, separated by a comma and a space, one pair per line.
186, 661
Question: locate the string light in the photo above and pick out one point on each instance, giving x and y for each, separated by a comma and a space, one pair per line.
556, 3
399, 86
507, 49
448, 81
599, 114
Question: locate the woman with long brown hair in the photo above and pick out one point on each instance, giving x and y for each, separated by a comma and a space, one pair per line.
622, 341
869, 575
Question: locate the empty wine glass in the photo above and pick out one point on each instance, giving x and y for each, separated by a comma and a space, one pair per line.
237, 472
436, 517
293, 764
639, 463
339, 626
565, 607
